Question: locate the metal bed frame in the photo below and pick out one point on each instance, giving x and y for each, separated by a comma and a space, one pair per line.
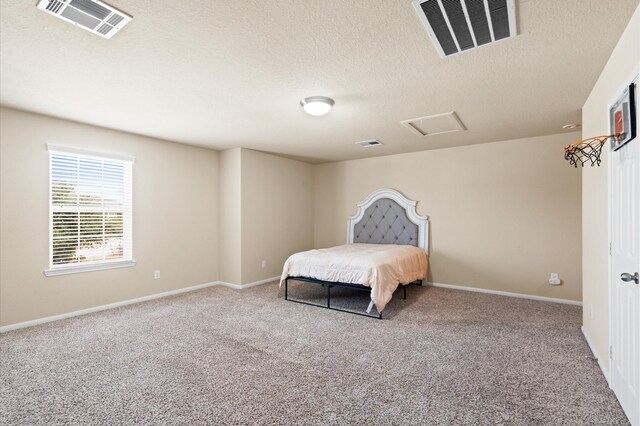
331, 284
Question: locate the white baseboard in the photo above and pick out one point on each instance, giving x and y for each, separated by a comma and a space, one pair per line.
103, 307
253, 284
509, 294
605, 373
44, 320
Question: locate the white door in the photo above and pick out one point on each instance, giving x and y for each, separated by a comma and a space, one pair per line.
624, 289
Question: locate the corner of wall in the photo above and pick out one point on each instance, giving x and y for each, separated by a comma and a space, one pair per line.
257, 221
229, 216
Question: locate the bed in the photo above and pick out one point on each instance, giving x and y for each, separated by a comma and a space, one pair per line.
387, 247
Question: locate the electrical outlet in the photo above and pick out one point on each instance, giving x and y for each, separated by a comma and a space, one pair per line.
554, 279
156, 275
264, 263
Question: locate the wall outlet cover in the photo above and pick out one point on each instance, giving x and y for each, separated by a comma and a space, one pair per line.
554, 279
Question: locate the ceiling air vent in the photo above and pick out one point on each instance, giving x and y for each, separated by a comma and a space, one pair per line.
458, 25
369, 143
92, 15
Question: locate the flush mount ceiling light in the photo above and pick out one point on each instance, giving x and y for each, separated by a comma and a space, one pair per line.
570, 126
317, 105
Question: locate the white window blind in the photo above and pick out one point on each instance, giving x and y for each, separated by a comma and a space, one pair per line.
90, 210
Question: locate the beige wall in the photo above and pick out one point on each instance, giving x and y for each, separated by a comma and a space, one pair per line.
503, 215
487, 205
234, 209
174, 220
623, 64
230, 224
277, 212
266, 213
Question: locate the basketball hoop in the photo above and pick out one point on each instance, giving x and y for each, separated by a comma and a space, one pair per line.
585, 151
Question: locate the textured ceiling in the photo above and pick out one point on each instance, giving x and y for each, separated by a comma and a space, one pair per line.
230, 73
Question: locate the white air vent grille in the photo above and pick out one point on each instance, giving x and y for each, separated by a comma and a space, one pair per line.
115, 20
458, 25
54, 6
92, 15
370, 143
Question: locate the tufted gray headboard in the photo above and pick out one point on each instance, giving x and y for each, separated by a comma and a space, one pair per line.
387, 217
385, 222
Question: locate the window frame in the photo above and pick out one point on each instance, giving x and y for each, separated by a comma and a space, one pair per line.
127, 220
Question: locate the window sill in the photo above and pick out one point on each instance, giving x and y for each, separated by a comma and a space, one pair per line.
88, 268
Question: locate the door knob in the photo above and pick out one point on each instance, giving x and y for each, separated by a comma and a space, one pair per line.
626, 277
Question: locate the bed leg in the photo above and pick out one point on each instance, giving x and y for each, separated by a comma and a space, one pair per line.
404, 289
370, 307
328, 296
286, 289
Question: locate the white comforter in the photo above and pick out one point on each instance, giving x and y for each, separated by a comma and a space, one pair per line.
379, 266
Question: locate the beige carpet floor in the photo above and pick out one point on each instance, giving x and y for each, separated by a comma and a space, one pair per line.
221, 356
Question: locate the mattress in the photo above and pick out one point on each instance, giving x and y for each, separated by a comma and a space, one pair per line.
383, 267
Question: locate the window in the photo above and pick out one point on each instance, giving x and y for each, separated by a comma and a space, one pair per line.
90, 211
